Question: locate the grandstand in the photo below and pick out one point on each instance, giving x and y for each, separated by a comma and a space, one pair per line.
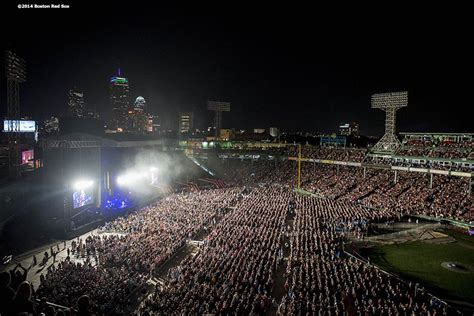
230, 235
447, 151
184, 251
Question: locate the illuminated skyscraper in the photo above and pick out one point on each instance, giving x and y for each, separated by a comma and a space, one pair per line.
119, 100
154, 124
75, 103
138, 116
185, 122
140, 104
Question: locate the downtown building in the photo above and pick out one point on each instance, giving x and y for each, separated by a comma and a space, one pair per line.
349, 129
120, 103
75, 103
154, 124
137, 117
186, 123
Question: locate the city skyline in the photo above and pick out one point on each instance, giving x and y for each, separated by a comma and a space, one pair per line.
304, 75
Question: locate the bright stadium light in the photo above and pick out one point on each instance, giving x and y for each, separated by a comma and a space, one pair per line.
389, 102
82, 184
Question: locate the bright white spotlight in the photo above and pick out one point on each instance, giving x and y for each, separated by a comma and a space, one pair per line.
82, 184
121, 180
153, 169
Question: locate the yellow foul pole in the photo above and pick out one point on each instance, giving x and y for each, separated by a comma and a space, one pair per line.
299, 167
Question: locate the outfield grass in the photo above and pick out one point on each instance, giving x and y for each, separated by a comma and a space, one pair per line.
421, 262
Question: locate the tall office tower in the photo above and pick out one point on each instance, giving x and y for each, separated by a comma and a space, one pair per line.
75, 105
119, 100
185, 122
140, 104
138, 115
154, 124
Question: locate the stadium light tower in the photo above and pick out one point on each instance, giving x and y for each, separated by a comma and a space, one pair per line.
15, 71
389, 102
218, 107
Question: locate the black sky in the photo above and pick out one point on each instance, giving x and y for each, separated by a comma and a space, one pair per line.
299, 68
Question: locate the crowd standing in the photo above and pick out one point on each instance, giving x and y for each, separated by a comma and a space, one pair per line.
249, 226
110, 265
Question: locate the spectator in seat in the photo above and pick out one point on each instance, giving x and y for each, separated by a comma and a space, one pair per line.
6, 293
22, 302
83, 308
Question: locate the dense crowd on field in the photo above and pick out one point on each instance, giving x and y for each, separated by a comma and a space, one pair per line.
266, 250
110, 265
321, 281
234, 272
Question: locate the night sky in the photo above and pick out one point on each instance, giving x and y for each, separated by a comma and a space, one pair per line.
300, 69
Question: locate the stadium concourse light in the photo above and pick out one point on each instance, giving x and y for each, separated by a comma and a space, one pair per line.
82, 184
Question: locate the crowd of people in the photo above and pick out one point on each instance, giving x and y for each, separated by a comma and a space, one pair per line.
238, 172
407, 192
323, 281
447, 149
110, 265
447, 153
329, 153
234, 271
411, 154
250, 224
440, 143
